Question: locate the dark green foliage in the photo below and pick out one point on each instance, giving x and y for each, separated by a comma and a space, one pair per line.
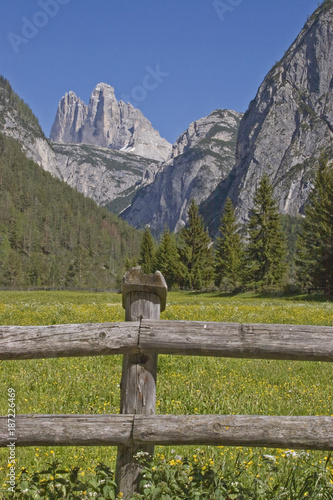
195, 251
129, 263
167, 259
51, 235
186, 479
267, 246
315, 243
229, 258
147, 252
55, 483
291, 226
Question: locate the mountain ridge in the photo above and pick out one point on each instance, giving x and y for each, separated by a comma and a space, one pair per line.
201, 157
286, 127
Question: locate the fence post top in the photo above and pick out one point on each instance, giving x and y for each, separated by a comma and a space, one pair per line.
136, 281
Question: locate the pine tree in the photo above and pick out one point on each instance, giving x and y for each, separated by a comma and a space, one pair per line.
195, 252
167, 259
147, 252
267, 246
315, 243
229, 259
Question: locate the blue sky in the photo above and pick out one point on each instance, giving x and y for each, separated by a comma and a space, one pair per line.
177, 60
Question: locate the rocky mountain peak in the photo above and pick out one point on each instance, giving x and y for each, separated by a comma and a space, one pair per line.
108, 123
103, 91
104, 87
71, 114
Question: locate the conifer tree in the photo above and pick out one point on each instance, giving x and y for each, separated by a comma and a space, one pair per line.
196, 252
315, 243
167, 259
229, 258
267, 246
147, 252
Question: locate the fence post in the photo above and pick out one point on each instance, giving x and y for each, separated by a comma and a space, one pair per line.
144, 296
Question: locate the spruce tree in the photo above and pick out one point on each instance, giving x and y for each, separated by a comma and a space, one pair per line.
196, 252
229, 258
314, 256
267, 246
147, 252
167, 259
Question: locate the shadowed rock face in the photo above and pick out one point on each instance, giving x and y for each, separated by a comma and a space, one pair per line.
202, 156
107, 123
290, 122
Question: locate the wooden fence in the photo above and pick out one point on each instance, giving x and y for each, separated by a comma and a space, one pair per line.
140, 339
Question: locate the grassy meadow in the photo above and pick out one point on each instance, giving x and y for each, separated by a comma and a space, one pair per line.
185, 385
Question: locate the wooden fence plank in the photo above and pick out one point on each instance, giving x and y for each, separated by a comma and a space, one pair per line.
68, 430
192, 338
32, 342
263, 341
309, 432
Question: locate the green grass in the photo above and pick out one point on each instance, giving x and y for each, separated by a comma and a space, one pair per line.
186, 385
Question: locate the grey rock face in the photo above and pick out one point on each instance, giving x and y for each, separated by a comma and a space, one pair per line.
71, 115
290, 122
201, 158
109, 177
107, 123
31, 138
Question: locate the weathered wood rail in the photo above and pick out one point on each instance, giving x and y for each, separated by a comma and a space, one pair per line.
191, 338
309, 432
140, 339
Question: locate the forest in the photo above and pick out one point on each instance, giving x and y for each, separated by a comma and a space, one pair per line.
51, 235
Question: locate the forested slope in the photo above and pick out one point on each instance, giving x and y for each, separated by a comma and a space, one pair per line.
50, 234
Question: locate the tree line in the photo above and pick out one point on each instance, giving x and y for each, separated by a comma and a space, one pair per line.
251, 257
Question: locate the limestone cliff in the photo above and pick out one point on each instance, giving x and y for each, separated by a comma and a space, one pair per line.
111, 178
108, 123
202, 156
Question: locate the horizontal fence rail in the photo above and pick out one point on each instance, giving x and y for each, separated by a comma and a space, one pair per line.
194, 338
309, 432
33, 342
